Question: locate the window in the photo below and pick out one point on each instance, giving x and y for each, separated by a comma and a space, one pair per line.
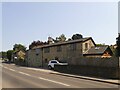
73, 46
46, 50
59, 48
37, 51
86, 45
53, 62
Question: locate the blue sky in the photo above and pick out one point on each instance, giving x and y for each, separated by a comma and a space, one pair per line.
24, 22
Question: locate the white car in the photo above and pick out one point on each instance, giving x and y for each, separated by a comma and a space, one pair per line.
52, 63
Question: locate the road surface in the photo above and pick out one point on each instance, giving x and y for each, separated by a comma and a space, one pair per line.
18, 77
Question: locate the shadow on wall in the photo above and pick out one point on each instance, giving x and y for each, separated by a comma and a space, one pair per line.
98, 67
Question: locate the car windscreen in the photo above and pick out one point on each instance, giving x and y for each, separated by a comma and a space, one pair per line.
53, 62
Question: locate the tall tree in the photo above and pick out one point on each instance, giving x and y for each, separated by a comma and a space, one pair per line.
118, 45
18, 47
9, 54
77, 36
4, 54
61, 38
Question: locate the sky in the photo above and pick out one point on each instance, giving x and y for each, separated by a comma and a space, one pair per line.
24, 22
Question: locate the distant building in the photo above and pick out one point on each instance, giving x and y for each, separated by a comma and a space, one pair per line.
100, 51
20, 54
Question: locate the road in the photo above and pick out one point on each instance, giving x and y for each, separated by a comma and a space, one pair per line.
18, 77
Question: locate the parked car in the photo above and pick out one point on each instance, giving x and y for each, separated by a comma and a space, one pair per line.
52, 63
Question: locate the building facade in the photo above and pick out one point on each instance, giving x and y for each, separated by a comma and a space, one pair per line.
64, 51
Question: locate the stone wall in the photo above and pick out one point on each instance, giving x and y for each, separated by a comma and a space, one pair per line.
93, 71
96, 67
100, 62
34, 58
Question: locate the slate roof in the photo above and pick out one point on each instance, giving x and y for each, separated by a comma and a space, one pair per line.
66, 42
96, 50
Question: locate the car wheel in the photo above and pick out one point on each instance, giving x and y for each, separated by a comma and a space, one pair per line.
49, 67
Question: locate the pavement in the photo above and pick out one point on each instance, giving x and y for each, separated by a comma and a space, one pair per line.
111, 81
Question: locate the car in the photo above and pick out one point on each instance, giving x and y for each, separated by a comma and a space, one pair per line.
52, 63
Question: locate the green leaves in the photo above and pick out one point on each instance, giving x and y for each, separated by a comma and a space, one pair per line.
118, 46
18, 47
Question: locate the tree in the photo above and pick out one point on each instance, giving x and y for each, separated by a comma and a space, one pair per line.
100, 45
37, 43
69, 39
118, 46
3, 54
9, 54
77, 36
61, 38
18, 47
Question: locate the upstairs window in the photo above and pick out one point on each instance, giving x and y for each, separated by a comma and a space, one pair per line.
59, 48
37, 51
86, 46
73, 47
46, 50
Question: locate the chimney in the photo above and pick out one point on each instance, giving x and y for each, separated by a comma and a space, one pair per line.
50, 40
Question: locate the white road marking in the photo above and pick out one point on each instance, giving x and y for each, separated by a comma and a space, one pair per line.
40, 78
12, 69
5, 67
13, 64
53, 81
24, 73
37, 69
1, 65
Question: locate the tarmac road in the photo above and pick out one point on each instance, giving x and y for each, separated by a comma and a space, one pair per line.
17, 77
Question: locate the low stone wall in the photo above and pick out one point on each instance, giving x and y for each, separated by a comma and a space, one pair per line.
96, 67
98, 62
103, 72
20, 62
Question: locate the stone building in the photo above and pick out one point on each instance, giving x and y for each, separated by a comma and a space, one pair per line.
64, 51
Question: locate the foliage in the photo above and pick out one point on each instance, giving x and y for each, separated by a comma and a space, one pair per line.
18, 47
77, 36
37, 43
100, 44
118, 46
61, 38
3, 54
41, 43
9, 54
69, 39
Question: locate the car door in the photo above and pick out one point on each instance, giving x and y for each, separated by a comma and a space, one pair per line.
53, 63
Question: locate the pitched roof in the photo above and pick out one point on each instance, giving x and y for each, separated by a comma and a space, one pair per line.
96, 50
66, 42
